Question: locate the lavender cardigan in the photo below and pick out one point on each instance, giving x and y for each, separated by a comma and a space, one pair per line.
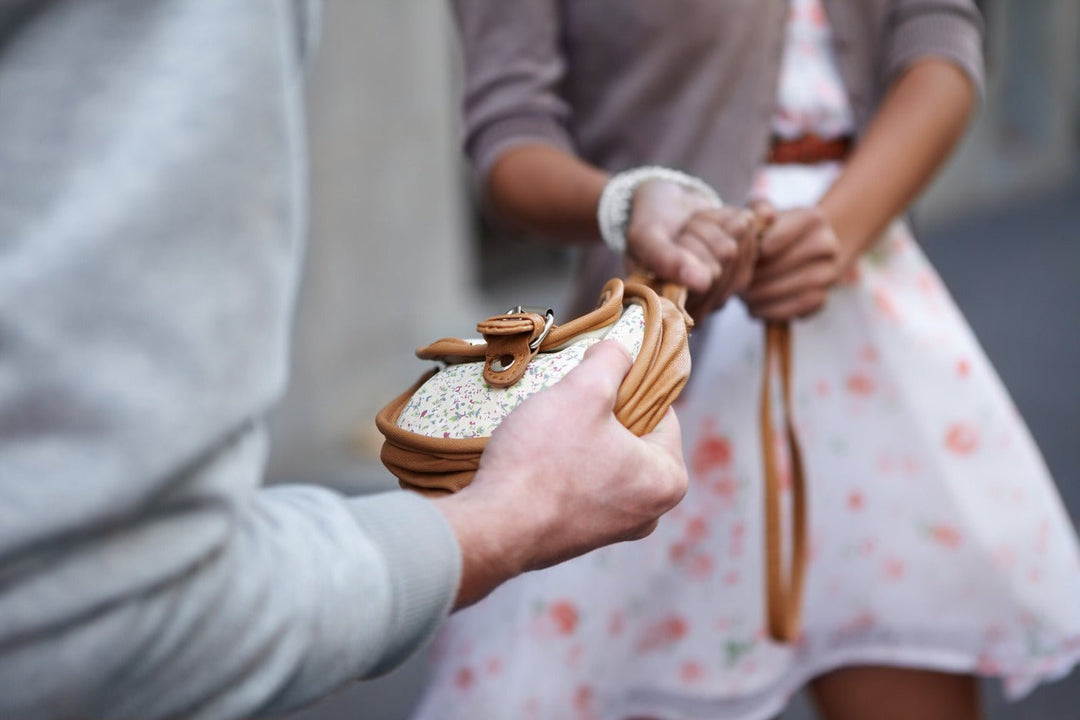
683, 83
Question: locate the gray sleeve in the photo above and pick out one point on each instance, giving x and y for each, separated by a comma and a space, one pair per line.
151, 208
947, 29
217, 609
513, 69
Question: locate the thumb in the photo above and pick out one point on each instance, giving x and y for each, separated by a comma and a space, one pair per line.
600, 373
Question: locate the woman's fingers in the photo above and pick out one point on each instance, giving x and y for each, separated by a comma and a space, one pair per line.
812, 276
789, 228
654, 248
791, 307
798, 263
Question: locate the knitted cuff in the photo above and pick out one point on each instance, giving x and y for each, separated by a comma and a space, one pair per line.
616, 201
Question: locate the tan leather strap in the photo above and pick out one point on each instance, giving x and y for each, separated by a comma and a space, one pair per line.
608, 310
783, 599
436, 466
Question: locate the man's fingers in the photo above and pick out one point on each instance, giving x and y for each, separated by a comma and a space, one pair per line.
667, 435
666, 463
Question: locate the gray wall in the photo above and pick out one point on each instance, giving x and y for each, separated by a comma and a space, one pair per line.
388, 263
1024, 141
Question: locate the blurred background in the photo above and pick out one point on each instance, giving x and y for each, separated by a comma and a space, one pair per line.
399, 256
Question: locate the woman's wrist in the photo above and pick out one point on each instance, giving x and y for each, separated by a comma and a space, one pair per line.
853, 238
614, 209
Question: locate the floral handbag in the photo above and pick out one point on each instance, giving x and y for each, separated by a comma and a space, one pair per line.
436, 430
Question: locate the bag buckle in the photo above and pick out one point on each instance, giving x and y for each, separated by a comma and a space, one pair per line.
513, 339
549, 320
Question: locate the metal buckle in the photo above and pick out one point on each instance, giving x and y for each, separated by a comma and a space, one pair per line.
549, 320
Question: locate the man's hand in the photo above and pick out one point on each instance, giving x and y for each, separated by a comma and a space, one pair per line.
799, 261
675, 233
561, 476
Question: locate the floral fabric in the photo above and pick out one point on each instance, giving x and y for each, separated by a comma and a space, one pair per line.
457, 403
810, 94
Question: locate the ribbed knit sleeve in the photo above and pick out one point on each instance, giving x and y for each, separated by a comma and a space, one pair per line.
513, 70
151, 215
948, 29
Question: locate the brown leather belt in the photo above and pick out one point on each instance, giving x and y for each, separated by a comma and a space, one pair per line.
808, 149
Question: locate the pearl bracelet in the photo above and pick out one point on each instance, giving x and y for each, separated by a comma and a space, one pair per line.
613, 211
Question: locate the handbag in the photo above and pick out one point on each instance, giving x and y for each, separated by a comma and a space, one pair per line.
436, 430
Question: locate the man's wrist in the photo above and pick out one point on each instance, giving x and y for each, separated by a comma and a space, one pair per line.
489, 553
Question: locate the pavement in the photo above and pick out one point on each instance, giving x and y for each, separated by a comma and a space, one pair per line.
1015, 272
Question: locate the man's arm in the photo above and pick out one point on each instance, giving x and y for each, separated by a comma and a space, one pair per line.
225, 606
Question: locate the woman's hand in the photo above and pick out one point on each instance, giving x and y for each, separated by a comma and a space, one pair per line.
675, 233
799, 260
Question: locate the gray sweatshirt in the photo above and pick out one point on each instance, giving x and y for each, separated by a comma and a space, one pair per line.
151, 221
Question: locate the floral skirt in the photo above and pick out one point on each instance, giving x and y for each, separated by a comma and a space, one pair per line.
937, 537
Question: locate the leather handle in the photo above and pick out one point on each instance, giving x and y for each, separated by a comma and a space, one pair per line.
783, 598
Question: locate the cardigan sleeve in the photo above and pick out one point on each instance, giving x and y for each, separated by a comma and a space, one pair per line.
947, 29
514, 66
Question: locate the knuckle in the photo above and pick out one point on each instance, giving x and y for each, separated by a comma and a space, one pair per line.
816, 216
693, 226
823, 275
745, 219
727, 249
831, 241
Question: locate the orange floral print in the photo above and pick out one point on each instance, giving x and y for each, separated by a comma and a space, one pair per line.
860, 384
712, 452
565, 615
961, 438
946, 535
660, 634
464, 678
691, 671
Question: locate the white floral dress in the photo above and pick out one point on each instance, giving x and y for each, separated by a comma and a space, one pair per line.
937, 538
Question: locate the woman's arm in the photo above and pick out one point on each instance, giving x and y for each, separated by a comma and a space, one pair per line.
516, 136
544, 189
922, 118
807, 250
672, 232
